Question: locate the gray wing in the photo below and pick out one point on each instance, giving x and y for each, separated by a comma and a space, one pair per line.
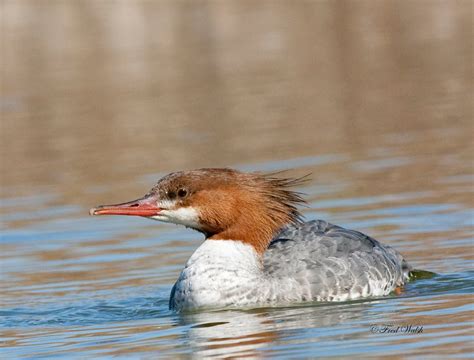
329, 261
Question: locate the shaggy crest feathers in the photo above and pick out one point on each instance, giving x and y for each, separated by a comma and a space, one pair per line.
280, 198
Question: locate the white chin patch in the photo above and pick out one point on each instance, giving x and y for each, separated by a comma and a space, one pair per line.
187, 216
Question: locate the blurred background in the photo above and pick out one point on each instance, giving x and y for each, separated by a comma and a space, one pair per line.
100, 98
97, 93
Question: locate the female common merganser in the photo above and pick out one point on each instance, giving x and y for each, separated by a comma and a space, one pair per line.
257, 250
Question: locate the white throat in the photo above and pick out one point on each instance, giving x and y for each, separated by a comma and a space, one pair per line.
187, 216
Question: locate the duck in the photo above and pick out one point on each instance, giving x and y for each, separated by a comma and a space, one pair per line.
258, 250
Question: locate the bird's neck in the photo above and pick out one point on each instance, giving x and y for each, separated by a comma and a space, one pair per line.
255, 236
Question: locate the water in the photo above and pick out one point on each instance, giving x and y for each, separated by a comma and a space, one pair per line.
96, 110
74, 285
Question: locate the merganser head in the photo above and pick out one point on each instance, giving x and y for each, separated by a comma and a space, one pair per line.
221, 203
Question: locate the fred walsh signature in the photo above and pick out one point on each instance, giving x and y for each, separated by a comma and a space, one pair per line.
396, 329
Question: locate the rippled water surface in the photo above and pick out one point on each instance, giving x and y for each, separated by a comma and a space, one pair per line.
100, 99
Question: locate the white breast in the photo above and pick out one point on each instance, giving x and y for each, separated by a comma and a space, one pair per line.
229, 273
219, 273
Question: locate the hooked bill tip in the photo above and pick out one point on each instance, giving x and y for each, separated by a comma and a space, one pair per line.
92, 211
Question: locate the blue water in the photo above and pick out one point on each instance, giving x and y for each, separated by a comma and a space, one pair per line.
79, 286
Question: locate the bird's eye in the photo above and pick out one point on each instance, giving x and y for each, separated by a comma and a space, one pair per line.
182, 193
171, 195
